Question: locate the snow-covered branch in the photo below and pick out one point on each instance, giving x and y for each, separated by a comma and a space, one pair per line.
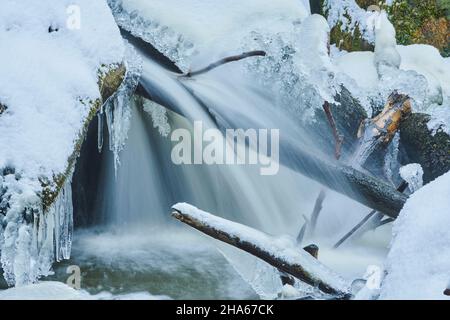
278, 252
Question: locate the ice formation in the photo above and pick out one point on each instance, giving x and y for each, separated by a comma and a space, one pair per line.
413, 174
159, 117
49, 92
117, 108
205, 24
350, 15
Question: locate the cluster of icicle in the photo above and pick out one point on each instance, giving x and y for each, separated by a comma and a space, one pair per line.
31, 239
117, 108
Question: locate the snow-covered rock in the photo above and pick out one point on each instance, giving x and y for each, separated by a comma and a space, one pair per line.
206, 27
418, 264
57, 58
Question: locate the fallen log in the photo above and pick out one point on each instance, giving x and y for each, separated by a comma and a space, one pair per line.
281, 254
430, 149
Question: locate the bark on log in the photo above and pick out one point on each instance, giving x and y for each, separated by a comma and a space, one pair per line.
432, 152
299, 264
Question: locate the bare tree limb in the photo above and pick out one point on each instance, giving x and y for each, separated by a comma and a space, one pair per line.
316, 211
401, 188
223, 61
300, 265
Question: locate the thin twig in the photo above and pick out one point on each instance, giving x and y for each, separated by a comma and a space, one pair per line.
355, 228
223, 61
316, 211
339, 139
401, 188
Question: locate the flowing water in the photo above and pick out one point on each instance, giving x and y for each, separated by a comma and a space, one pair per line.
138, 247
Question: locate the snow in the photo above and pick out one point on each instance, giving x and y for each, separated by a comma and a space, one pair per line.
283, 248
51, 56
386, 54
205, 25
42, 87
52, 290
340, 10
312, 55
418, 264
417, 70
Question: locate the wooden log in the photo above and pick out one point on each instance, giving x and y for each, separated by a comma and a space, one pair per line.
290, 260
431, 150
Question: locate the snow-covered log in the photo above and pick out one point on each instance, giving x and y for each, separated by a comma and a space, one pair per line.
280, 253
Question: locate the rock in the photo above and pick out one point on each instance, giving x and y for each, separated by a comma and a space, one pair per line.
426, 22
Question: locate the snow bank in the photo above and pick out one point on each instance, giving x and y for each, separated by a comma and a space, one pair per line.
44, 75
418, 264
52, 55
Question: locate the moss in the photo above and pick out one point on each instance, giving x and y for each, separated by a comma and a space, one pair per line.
421, 21
415, 21
346, 39
109, 82
349, 40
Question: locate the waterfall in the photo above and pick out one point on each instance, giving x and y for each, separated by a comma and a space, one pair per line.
137, 198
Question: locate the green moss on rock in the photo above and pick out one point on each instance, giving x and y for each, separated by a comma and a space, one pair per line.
415, 21
109, 81
421, 21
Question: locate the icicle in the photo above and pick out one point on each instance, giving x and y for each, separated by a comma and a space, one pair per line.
100, 130
62, 213
118, 111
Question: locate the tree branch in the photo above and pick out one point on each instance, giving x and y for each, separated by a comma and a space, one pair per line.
223, 61
339, 139
280, 255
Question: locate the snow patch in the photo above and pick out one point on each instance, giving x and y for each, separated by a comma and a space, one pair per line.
418, 264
